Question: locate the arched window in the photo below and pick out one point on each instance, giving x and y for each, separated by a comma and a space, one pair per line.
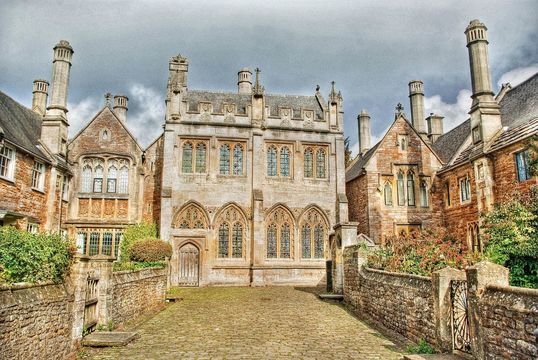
200, 158
423, 194
410, 189
98, 179
313, 235
186, 165
238, 160
237, 240
388, 194
400, 189
308, 163
271, 241
225, 159
191, 217
271, 161
320, 164
123, 180
111, 179
279, 234
284, 161
223, 240
86, 180
285, 241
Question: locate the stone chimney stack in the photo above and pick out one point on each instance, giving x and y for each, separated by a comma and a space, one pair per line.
364, 132
61, 66
244, 81
416, 98
39, 99
120, 107
485, 113
178, 68
435, 127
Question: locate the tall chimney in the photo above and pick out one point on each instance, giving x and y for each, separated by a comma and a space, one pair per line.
416, 98
244, 81
61, 66
120, 107
39, 99
435, 127
485, 113
364, 132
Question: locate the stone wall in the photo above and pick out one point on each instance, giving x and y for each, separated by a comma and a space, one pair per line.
134, 292
35, 322
509, 315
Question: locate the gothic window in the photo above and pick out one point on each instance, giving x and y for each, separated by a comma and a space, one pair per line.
123, 180
308, 163
105, 135
410, 189
38, 176
223, 240
238, 160
231, 238
522, 165
191, 217
423, 194
279, 234
388, 194
86, 179
98, 179
111, 179
313, 235
225, 159
271, 161
400, 189
200, 157
186, 165
473, 237
7, 162
447, 194
465, 189
320, 164
284, 161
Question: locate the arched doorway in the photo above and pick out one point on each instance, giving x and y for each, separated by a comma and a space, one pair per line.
189, 257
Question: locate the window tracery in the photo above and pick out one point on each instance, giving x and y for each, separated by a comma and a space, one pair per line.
231, 243
232, 158
194, 156
410, 189
191, 217
315, 166
97, 172
388, 194
279, 160
279, 234
313, 235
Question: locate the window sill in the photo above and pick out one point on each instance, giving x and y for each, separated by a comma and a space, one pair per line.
42, 191
223, 176
11, 180
102, 196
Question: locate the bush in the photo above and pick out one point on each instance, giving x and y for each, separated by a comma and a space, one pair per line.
421, 348
133, 234
26, 257
150, 250
131, 265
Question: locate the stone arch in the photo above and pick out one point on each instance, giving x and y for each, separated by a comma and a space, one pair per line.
191, 215
319, 211
280, 232
231, 230
226, 207
313, 233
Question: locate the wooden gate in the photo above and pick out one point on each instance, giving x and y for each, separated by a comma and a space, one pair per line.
188, 265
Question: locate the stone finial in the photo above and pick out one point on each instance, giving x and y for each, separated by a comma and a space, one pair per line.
258, 89
333, 95
108, 98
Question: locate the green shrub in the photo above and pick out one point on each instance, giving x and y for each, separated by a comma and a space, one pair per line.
26, 257
150, 250
131, 265
421, 348
133, 234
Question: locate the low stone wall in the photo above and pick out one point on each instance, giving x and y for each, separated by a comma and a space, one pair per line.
36, 322
509, 316
400, 302
134, 292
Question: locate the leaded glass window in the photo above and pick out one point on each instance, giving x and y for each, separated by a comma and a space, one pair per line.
123, 180
318, 242
200, 158
186, 165
191, 217
223, 240
308, 163
423, 194
238, 160
237, 241
523, 165
86, 180
305, 242
225, 159
94, 244
400, 189
284, 161
98, 179
106, 247
271, 241
465, 189
271, 161
388, 194
111, 179
117, 241
313, 233
285, 241
82, 238
7, 162
410, 189
320, 164
38, 175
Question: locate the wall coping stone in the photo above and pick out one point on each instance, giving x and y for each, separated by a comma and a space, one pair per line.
26, 285
513, 289
402, 275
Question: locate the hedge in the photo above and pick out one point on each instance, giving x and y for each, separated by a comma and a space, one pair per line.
150, 250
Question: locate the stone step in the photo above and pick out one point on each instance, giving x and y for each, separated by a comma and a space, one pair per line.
433, 357
109, 338
337, 297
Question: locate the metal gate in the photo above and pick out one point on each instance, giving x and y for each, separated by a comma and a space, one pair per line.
188, 265
460, 316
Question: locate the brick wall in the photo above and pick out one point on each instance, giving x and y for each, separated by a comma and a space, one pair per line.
35, 322
152, 182
509, 316
134, 292
357, 194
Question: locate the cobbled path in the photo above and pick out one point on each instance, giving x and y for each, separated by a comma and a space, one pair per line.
252, 323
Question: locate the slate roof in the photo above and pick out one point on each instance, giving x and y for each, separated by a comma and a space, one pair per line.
355, 169
22, 126
520, 104
448, 144
295, 102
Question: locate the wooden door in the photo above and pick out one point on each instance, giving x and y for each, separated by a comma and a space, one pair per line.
188, 265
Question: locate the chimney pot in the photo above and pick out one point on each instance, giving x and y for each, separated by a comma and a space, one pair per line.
39, 98
120, 107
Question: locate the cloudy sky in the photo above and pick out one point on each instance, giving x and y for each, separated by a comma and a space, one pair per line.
370, 48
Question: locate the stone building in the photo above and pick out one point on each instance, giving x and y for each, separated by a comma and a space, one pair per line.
416, 176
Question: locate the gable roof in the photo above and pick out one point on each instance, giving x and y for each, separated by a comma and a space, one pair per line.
448, 144
21, 126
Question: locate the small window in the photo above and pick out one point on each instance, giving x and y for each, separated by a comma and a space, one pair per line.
308, 163
200, 158
447, 194
86, 180
423, 194
65, 188
465, 189
284, 161
225, 159
38, 176
98, 180
522, 164
320, 164
223, 240
271, 161
186, 164
7, 162
32, 228
105, 135
123, 180
473, 236
400, 189
238, 160
410, 189
387, 193
111, 179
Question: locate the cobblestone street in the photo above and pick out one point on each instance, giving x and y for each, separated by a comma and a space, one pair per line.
252, 323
